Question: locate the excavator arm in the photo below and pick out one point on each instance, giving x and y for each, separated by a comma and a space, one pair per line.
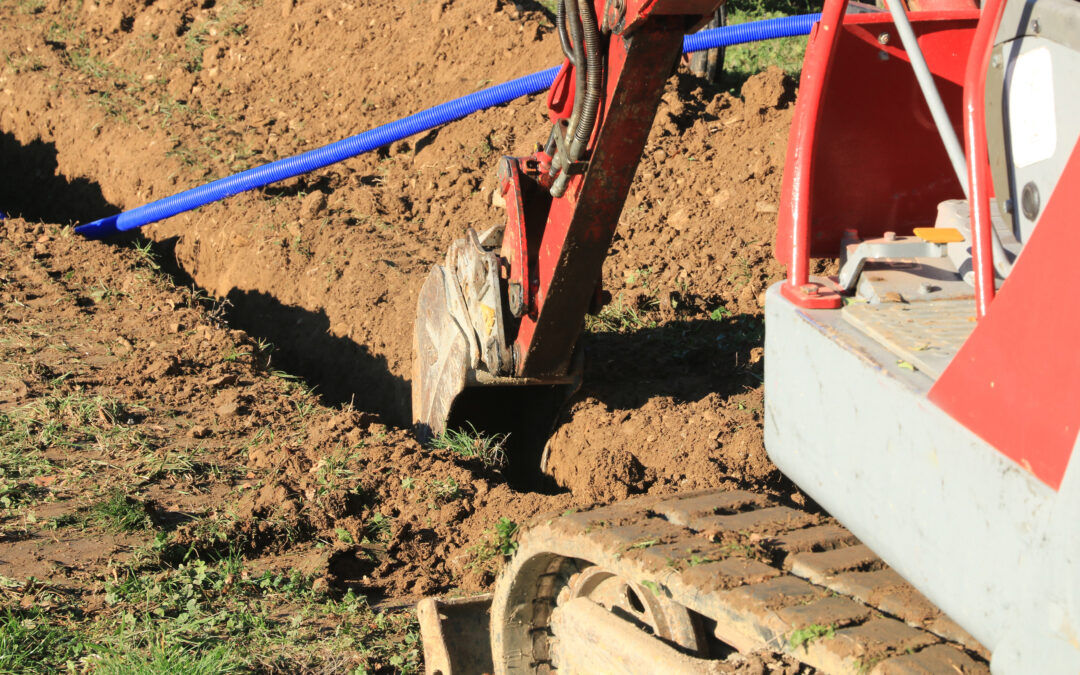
498, 322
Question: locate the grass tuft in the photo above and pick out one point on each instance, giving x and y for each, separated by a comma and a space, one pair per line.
121, 513
490, 450
805, 636
32, 641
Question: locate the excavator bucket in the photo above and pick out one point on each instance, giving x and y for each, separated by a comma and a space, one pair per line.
441, 356
463, 369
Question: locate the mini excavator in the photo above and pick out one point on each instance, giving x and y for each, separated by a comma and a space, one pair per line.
927, 396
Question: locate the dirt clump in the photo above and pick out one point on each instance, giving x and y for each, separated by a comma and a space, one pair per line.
673, 367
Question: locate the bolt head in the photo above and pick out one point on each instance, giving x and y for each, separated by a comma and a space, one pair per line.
883, 38
516, 299
890, 236
1030, 202
809, 289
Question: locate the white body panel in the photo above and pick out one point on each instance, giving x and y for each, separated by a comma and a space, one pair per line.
981, 537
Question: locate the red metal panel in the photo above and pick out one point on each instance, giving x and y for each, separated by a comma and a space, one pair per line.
581, 223
1016, 381
561, 95
876, 163
637, 12
978, 156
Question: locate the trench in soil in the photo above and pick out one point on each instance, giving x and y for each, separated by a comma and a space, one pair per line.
327, 267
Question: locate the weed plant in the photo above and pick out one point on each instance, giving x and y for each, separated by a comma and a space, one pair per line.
489, 450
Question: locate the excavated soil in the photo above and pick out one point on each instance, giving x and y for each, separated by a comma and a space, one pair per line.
106, 104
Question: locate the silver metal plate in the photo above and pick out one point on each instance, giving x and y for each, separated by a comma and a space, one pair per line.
925, 334
911, 280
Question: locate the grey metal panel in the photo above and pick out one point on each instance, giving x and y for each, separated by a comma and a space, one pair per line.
1053, 25
981, 537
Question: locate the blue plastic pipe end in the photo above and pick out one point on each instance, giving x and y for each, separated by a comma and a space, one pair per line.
99, 228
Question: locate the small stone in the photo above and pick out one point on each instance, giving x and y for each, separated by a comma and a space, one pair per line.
228, 404
228, 409
222, 381
199, 431
892, 296
313, 205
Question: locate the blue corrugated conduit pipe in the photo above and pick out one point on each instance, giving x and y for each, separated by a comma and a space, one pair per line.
420, 122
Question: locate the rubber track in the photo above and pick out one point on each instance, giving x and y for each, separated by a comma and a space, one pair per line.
766, 573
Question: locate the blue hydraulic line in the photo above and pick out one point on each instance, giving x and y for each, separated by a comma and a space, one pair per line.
420, 122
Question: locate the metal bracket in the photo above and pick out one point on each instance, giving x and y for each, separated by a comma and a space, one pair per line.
475, 269
856, 255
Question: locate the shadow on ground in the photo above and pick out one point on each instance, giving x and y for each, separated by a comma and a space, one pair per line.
686, 360
31, 188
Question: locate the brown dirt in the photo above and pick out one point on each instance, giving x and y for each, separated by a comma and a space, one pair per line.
184, 414
108, 104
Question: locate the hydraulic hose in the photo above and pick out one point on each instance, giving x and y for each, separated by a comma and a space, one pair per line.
581, 128
290, 167
568, 12
577, 43
560, 26
594, 75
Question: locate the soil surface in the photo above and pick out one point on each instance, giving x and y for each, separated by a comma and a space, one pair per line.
242, 371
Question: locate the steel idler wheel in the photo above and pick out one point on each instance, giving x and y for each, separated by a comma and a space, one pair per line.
556, 612
626, 600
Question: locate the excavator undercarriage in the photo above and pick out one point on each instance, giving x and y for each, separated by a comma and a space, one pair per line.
681, 583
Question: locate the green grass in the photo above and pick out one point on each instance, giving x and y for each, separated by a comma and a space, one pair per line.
446, 490
172, 659
742, 61
489, 450
59, 421
120, 513
804, 636
499, 544
32, 641
617, 317
64, 420
208, 617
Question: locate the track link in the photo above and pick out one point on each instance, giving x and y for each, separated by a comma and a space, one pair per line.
771, 577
